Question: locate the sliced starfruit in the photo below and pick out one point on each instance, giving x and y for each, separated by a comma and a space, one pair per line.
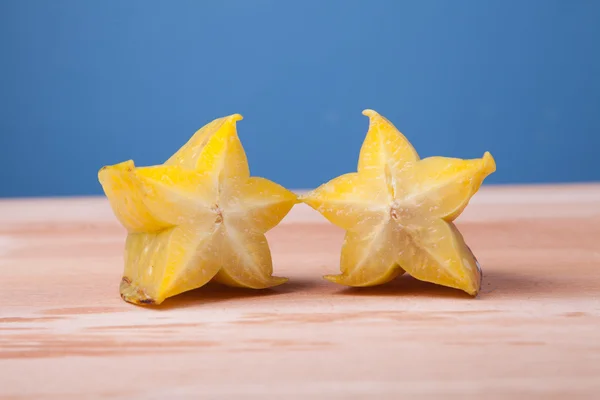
196, 218
398, 212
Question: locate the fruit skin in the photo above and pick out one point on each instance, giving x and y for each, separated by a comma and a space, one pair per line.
198, 217
398, 211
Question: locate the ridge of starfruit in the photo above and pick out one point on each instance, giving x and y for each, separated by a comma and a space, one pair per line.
398, 210
198, 217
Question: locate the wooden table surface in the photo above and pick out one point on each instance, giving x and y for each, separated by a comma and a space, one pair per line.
533, 331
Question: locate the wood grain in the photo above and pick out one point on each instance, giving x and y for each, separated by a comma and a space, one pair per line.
532, 333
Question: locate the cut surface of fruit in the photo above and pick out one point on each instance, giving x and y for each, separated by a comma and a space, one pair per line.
398, 210
198, 217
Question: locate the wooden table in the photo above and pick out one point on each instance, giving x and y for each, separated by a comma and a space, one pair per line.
533, 331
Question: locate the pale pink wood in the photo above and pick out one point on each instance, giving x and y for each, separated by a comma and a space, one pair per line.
532, 333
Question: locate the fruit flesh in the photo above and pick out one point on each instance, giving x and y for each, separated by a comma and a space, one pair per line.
199, 216
398, 211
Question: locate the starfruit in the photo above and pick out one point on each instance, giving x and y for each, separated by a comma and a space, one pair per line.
398, 211
198, 217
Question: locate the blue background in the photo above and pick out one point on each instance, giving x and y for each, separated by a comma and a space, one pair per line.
88, 83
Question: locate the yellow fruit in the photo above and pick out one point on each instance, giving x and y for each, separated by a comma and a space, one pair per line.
198, 217
398, 212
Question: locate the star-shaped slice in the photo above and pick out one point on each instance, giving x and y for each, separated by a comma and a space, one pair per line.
199, 216
398, 212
